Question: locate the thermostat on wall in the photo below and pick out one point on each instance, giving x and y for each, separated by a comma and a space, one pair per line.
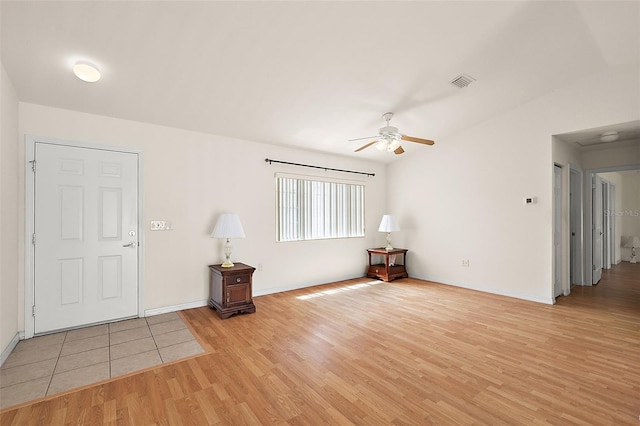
529, 200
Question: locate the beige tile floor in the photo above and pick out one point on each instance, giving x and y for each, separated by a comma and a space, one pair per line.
54, 363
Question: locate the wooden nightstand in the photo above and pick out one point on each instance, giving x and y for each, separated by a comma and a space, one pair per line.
387, 271
231, 291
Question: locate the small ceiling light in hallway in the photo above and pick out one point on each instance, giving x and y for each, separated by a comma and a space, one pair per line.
86, 71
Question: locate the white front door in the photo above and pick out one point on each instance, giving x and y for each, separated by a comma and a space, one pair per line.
86, 236
598, 231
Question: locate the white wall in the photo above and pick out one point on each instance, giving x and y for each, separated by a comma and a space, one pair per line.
463, 198
566, 154
9, 271
601, 157
190, 178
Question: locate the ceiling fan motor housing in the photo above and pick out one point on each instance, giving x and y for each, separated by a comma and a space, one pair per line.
388, 131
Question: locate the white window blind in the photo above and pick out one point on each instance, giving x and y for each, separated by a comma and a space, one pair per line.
313, 209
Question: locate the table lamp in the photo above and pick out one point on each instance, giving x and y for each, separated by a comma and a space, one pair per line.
632, 243
228, 226
388, 225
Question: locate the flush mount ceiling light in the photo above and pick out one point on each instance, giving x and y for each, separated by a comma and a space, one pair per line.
609, 136
86, 71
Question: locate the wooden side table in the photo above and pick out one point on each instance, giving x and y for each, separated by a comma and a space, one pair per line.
231, 289
388, 271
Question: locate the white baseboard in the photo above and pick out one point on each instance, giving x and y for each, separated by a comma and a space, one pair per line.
546, 301
10, 347
272, 290
174, 308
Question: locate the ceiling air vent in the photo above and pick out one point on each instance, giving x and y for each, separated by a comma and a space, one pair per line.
463, 80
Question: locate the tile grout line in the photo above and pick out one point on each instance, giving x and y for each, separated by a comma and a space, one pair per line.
154, 342
53, 372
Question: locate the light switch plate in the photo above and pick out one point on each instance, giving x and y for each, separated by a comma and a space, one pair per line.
158, 225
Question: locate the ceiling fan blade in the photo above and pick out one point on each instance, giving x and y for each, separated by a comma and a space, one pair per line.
418, 140
365, 146
359, 139
399, 150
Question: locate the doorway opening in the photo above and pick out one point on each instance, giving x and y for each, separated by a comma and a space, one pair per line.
606, 218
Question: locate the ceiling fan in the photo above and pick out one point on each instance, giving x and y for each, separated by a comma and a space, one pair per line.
389, 138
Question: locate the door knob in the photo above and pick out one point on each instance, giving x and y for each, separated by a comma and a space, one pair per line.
131, 244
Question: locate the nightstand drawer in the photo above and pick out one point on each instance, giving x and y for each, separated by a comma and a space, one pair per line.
237, 279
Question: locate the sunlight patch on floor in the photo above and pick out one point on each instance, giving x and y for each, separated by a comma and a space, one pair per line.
337, 290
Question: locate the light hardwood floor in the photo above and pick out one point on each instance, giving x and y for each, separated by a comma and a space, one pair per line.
406, 352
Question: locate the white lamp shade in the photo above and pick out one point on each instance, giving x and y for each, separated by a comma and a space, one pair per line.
631, 242
228, 226
388, 224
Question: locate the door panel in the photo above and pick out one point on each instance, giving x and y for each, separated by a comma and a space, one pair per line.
86, 203
597, 229
557, 230
576, 228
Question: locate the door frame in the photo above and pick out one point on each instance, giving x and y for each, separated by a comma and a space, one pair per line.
612, 224
606, 261
558, 269
588, 222
29, 250
576, 214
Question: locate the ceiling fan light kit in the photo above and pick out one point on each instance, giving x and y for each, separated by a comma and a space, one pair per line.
389, 138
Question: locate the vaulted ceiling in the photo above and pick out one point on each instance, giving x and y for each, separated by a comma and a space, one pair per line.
310, 74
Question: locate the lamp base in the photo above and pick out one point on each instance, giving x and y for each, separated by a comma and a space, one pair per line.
388, 247
227, 254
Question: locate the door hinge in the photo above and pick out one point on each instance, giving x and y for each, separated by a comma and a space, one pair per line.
33, 310
593, 267
33, 239
33, 165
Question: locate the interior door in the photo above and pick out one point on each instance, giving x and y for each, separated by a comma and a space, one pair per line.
612, 225
557, 230
576, 228
86, 236
606, 220
598, 232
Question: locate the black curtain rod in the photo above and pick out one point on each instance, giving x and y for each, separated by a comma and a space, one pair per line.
268, 160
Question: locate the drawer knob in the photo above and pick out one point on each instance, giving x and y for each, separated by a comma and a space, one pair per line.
376, 271
238, 280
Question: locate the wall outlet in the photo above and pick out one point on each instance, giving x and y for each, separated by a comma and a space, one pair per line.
465, 263
259, 266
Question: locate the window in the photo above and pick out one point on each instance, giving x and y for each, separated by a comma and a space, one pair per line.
312, 209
